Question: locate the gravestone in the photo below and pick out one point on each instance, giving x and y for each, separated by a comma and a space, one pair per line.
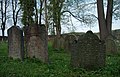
68, 40
111, 46
36, 42
58, 43
116, 33
61, 42
88, 52
15, 43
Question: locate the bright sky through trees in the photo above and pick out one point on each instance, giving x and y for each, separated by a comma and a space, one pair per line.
77, 26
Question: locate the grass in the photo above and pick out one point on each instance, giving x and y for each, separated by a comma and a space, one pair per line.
59, 66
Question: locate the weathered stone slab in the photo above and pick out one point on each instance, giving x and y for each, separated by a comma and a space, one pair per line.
58, 43
111, 47
69, 39
15, 42
116, 34
88, 52
36, 42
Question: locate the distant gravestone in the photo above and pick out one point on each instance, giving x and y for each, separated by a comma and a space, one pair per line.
116, 34
111, 46
70, 38
88, 52
58, 43
36, 42
15, 42
61, 42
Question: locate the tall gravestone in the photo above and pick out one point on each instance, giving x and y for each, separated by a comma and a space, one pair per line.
15, 42
88, 52
36, 42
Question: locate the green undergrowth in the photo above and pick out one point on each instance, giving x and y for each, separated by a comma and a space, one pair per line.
58, 66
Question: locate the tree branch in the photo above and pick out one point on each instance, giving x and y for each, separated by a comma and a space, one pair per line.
72, 15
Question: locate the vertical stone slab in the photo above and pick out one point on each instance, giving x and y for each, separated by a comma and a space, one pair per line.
44, 43
116, 34
111, 47
15, 43
36, 42
58, 43
88, 52
69, 39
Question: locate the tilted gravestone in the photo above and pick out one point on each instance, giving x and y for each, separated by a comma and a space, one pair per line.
15, 43
111, 47
36, 42
88, 52
68, 40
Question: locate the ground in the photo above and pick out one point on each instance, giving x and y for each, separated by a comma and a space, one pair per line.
58, 66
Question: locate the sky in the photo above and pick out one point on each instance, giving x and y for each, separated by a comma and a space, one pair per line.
81, 28
95, 28
78, 26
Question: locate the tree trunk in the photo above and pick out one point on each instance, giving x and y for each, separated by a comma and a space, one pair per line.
36, 13
41, 5
58, 28
109, 16
46, 16
101, 20
58, 32
3, 34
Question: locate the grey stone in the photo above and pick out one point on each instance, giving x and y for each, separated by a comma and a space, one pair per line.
88, 52
58, 43
116, 34
15, 42
36, 42
69, 39
111, 47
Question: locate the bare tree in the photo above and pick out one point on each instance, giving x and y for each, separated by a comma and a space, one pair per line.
116, 9
4, 6
15, 11
55, 10
101, 20
109, 15
105, 24
41, 6
38, 11
46, 13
